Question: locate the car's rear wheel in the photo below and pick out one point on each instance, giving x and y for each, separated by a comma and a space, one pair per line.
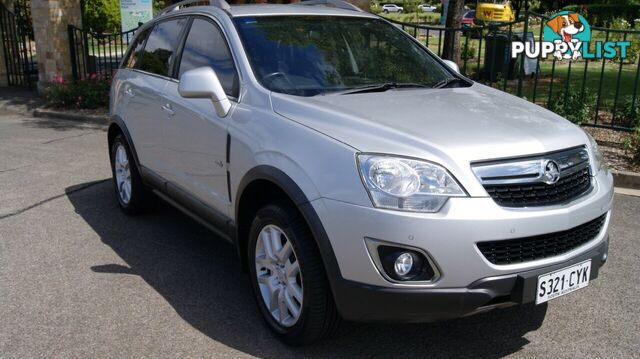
133, 197
385, 11
288, 277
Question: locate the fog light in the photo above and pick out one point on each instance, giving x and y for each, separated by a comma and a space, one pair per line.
403, 264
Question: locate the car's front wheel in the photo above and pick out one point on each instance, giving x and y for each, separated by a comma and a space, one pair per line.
288, 276
133, 197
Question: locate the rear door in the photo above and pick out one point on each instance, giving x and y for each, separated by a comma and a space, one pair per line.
195, 138
145, 116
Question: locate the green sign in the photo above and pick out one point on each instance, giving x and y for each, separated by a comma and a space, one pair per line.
135, 12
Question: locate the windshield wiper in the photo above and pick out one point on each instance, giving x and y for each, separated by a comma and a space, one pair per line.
382, 87
446, 82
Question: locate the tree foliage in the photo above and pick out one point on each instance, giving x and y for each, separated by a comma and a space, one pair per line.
555, 5
101, 16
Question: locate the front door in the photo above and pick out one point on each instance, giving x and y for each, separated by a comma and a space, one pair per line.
195, 138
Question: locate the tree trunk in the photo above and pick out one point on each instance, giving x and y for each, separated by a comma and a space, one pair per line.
451, 48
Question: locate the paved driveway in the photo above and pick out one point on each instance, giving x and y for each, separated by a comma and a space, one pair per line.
80, 279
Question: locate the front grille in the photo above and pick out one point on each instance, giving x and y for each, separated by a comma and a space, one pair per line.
541, 194
538, 180
528, 249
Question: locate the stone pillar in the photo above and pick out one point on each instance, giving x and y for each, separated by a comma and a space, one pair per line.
50, 20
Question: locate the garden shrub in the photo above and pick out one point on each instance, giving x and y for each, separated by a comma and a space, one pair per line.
85, 94
468, 53
632, 144
629, 112
577, 109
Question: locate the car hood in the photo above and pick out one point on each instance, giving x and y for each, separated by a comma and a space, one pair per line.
463, 124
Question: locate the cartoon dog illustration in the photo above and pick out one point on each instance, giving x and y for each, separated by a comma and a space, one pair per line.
566, 26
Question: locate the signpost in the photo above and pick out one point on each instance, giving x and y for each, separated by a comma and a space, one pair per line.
135, 12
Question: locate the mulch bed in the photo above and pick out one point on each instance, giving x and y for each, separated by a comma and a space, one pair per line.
611, 143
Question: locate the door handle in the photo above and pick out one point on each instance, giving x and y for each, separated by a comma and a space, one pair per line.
129, 92
168, 109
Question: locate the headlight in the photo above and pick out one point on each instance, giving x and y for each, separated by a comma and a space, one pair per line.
407, 184
599, 163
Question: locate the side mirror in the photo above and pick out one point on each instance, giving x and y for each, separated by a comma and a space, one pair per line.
203, 83
452, 65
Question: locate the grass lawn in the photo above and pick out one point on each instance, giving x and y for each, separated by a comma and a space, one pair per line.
593, 83
609, 80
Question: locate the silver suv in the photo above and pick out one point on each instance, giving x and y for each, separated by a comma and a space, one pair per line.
387, 8
359, 176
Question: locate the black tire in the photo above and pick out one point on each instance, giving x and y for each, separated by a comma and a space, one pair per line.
141, 198
319, 317
385, 11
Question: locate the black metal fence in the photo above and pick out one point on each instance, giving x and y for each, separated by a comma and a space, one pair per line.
96, 54
602, 93
18, 47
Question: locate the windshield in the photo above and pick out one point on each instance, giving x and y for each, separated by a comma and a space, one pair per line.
312, 55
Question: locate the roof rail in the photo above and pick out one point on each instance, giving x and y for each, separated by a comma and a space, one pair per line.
222, 4
340, 4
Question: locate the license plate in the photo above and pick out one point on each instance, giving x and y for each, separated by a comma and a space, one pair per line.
564, 281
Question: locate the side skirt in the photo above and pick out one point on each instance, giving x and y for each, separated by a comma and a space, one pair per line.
195, 217
215, 221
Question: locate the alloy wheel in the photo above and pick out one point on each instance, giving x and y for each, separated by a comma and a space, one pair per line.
278, 274
123, 174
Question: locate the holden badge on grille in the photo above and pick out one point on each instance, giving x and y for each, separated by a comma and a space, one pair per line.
551, 172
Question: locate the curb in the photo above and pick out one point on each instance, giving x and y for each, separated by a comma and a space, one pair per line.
627, 191
624, 179
98, 120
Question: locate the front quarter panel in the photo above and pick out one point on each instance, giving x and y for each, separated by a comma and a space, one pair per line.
319, 165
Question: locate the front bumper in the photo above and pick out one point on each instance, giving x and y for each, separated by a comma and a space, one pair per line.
467, 280
360, 302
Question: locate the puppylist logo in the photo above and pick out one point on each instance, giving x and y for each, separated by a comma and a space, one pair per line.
567, 35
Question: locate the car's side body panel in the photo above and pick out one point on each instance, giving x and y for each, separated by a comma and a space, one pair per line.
139, 104
198, 165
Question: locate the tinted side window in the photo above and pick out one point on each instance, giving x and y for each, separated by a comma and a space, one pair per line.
132, 61
161, 47
206, 46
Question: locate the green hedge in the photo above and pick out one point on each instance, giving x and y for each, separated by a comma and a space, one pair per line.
430, 18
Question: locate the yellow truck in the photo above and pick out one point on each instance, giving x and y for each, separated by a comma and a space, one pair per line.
494, 11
